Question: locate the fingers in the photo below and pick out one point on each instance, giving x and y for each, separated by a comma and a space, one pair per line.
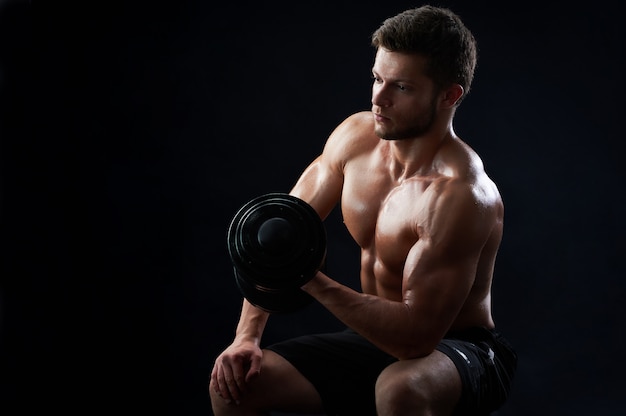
226, 385
254, 370
235, 382
229, 381
214, 384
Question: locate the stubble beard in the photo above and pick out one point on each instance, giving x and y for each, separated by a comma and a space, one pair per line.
419, 128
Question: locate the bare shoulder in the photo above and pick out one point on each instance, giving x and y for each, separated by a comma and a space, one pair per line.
483, 187
361, 119
357, 128
352, 137
465, 196
464, 170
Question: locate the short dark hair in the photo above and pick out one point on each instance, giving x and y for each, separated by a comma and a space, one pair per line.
439, 35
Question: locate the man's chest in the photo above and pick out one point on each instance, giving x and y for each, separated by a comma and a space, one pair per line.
380, 211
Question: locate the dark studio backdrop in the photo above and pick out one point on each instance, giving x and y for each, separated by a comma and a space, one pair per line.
131, 132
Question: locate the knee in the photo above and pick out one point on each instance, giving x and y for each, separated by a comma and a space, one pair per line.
219, 405
399, 393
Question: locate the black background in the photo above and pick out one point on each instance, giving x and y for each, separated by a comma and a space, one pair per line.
132, 132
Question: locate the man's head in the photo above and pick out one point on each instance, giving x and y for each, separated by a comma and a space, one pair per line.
438, 35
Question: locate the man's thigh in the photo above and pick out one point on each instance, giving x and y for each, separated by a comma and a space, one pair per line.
343, 366
279, 386
431, 382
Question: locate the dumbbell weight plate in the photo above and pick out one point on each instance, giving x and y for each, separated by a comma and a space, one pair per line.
276, 242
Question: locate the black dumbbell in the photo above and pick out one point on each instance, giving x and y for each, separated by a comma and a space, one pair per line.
276, 242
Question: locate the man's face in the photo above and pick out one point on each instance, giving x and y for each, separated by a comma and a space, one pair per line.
403, 97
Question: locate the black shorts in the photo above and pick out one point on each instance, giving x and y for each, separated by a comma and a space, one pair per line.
343, 367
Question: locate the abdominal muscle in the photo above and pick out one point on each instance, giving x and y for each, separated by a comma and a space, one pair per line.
376, 280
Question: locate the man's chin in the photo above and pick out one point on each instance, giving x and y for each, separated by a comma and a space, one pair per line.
383, 134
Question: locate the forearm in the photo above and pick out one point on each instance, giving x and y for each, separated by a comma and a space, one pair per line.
387, 324
251, 323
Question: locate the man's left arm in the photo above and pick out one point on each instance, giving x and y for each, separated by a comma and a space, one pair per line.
438, 274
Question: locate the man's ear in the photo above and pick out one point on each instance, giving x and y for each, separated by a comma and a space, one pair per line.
451, 95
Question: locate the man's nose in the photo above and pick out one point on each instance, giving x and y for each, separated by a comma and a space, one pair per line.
379, 96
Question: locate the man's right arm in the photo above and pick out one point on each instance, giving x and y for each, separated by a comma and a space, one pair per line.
320, 184
241, 361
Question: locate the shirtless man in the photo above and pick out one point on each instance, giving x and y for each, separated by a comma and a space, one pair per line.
420, 338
